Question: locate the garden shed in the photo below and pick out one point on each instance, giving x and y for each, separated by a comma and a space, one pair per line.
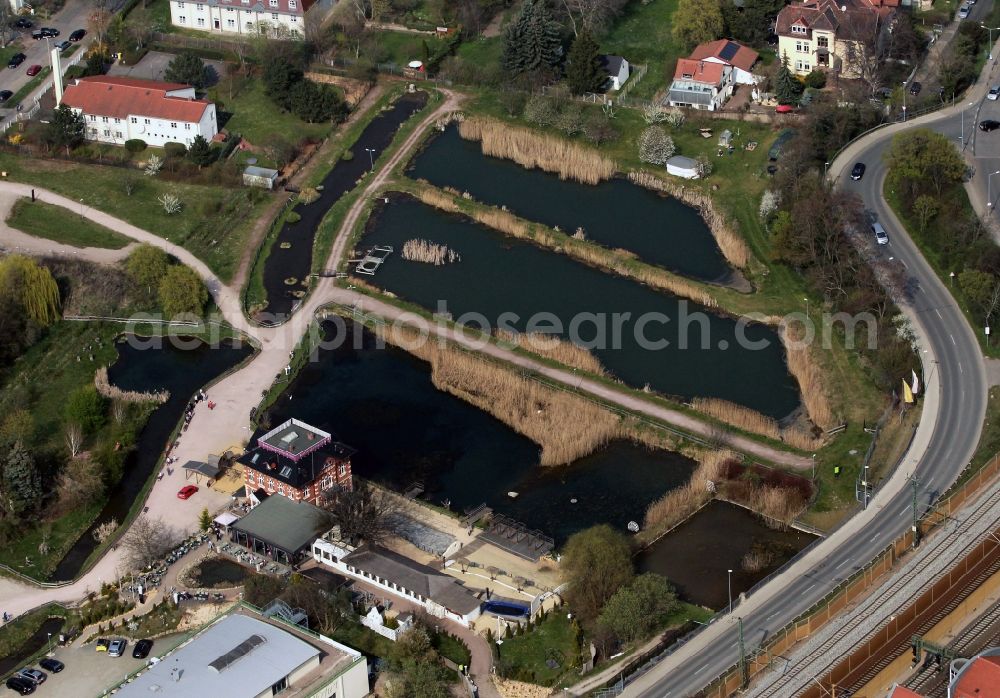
680, 166
262, 177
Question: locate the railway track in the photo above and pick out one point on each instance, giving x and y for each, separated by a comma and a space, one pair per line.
886, 601
931, 680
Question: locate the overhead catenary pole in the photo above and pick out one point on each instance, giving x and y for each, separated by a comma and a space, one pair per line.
915, 484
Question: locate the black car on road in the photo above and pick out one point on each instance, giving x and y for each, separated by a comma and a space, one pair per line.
141, 649
858, 171
22, 686
5, 95
23, 23
53, 665
77, 35
16, 60
989, 125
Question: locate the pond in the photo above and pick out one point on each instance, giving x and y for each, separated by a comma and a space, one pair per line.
295, 260
641, 336
217, 572
696, 555
382, 402
180, 371
32, 645
616, 213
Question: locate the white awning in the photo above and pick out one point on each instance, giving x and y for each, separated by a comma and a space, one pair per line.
226, 518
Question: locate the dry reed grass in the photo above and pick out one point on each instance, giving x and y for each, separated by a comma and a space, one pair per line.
530, 149
756, 560
553, 347
808, 374
734, 248
779, 506
420, 250
619, 262
105, 388
565, 425
754, 422
678, 504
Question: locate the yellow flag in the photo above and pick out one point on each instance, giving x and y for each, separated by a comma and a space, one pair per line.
907, 393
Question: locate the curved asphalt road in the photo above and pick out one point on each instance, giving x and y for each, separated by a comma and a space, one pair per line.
950, 351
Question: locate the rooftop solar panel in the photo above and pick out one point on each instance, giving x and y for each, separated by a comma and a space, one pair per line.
728, 51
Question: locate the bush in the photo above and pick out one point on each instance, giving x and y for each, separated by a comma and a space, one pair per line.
135, 145
174, 150
816, 79
293, 217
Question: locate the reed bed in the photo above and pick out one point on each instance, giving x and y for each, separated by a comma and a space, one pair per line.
553, 347
802, 365
619, 262
531, 149
564, 425
754, 422
420, 250
105, 388
756, 560
734, 248
779, 506
678, 504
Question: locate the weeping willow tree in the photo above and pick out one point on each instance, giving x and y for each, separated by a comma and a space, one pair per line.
32, 286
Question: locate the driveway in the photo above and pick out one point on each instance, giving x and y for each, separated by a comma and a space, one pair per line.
153, 66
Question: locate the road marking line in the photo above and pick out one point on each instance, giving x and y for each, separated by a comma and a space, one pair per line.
953, 340
938, 314
874, 538
704, 666
960, 369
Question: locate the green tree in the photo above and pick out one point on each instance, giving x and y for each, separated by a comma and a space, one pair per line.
583, 66
204, 520
88, 408
18, 425
22, 483
697, 21
750, 21
31, 287
95, 64
925, 208
596, 563
66, 129
982, 291
639, 608
532, 41
181, 291
921, 160
201, 152
787, 88
147, 265
415, 667
280, 76
188, 69
315, 103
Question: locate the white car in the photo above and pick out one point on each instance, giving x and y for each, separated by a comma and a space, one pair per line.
881, 237
994, 93
963, 11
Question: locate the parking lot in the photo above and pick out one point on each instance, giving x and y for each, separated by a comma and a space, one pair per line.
89, 672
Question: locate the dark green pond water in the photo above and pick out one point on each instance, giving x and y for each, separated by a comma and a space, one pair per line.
673, 345
382, 402
660, 229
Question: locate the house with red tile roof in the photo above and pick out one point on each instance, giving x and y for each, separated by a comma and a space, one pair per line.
117, 109
833, 35
732, 53
276, 19
700, 84
976, 678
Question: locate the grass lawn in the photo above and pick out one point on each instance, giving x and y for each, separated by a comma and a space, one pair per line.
213, 223
523, 657
643, 35
989, 442
57, 223
401, 47
29, 87
481, 52
258, 119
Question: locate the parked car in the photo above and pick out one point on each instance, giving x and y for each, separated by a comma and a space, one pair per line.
881, 237
34, 69
186, 491
23, 23
784, 109
50, 32
5, 95
16, 60
102, 644
33, 675
915, 88
963, 11
989, 125
63, 45
117, 647
37, 34
994, 93
858, 171
53, 665
22, 686
141, 649
77, 35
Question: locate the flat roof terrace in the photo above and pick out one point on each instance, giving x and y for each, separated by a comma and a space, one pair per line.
294, 439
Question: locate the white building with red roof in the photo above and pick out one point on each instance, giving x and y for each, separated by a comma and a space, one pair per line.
117, 109
700, 84
732, 53
280, 19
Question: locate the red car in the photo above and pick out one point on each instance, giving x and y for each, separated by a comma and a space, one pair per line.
34, 69
784, 109
186, 491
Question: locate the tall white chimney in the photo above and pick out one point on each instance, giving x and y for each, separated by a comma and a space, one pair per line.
57, 77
